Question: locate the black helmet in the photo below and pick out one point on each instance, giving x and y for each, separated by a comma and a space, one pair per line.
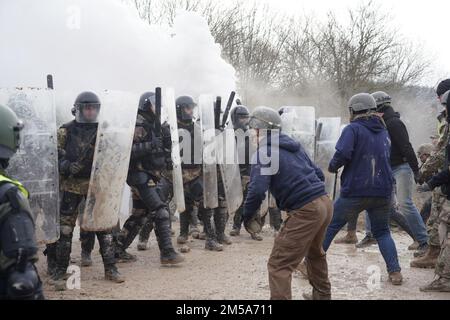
383, 99
443, 87
146, 102
84, 100
183, 103
240, 117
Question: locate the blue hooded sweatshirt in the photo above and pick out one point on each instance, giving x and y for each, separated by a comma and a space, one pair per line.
364, 151
297, 182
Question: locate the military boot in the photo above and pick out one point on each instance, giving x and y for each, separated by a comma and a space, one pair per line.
122, 256
396, 278
368, 241
113, 275
421, 251
211, 240
86, 260
235, 232
63, 249
184, 227
220, 223
50, 253
438, 285
349, 238
429, 260
162, 230
144, 235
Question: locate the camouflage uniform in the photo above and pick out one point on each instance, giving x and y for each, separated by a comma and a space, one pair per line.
443, 264
76, 144
148, 160
432, 166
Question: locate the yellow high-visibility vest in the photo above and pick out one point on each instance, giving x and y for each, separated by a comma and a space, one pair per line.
16, 183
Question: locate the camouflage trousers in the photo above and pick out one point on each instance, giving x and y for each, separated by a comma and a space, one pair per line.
70, 208
433, 223
443, 263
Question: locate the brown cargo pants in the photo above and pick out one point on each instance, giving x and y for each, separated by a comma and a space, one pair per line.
302, 237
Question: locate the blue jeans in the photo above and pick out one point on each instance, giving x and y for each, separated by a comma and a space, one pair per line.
346, 209
404, 178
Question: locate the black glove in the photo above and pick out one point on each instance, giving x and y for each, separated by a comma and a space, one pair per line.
418, 178
332, 170
75, 168
424, 188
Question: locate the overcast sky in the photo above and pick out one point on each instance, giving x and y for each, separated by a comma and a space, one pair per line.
423, 21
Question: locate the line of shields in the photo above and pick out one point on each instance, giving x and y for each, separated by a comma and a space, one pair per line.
318, 136
36, 163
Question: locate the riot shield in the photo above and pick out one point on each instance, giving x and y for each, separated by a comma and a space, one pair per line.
210, 190
300, 124
326, 146
177, 174
228, 159
117, 120
36, 163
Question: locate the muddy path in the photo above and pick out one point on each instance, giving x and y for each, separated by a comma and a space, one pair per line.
240, 272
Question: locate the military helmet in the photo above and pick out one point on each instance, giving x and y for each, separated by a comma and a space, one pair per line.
10, 128
84, 100
361, 103
265, 118
443, 87
239, 117
183, 103
445, 98
383, 99
426, 148
147, 101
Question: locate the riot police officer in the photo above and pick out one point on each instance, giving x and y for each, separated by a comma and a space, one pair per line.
151, 154
19, 279
76, 146
192, 177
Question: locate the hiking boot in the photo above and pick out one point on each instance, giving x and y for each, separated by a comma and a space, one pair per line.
86, 260
257, 237
124, 257
316, 296
113, 275
396, 278
212, 245
142, 246
366, 242
421, 251
59, 280
439, 285
429, 260
349, 238
182, 239
414, 246
235, 232
223, 239
171, 257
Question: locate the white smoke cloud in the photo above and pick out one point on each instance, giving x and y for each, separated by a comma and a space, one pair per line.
103, 44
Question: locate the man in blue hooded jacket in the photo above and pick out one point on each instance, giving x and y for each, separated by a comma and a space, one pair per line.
282, 166
367, 180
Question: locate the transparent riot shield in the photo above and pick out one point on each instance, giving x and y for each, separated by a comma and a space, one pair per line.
228, 159
117, 121
36, 163
177, 174
300, 124
329, 133
210, 189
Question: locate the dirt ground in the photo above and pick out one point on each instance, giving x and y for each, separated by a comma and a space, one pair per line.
240, 272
